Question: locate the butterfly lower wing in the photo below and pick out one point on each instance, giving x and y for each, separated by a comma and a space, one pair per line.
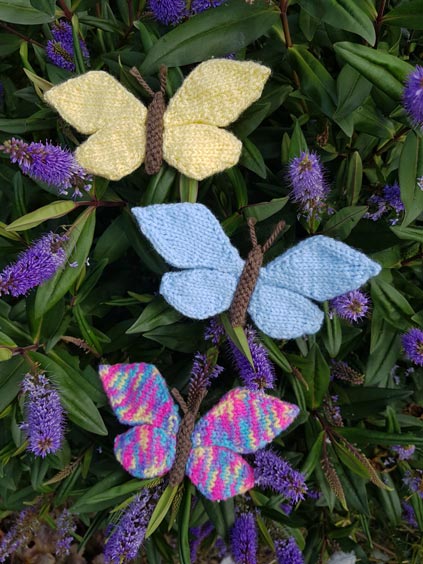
219, 473
96, 104
320, 268
146, 451
216, 92
139, 394
243, 421
282, 313
199, 294
188, 236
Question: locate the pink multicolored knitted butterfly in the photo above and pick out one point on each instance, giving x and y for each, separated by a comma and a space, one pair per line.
243, 422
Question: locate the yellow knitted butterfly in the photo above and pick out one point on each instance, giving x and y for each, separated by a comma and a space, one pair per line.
213, 95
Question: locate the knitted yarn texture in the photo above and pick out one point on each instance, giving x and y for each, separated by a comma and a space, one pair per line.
213, 96
243, 422
190, 238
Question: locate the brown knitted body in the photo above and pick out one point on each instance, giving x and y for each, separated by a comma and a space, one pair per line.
245, 288
183, 448
154, 146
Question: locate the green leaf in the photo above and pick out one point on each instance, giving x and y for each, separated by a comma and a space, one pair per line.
354, 178
78, 405
77, 249
410, 170
343, 14
11, 374
9, 44
343, 222
22, 12
238, 337
161, 509
46, 6
51, 211
408, 233
316, 373
407, 14
316, 82
156, 314
313, 456
6, 341
385, 71
395, 309
35, 122
183, 525
369, 436
239, 185
332, 337
183, 337
265, 209
390, 501
298, 142
252, 159
159, 186
352, 89
213, 33
188, 189
385, 347
221, 514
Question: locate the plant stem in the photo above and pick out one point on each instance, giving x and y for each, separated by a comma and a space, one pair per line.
21, 35
285, 24
67, 12
379, 20
102, 204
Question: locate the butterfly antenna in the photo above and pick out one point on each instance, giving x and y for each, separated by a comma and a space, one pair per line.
177, 395
136, 74
163, 79
276, 232
251, 226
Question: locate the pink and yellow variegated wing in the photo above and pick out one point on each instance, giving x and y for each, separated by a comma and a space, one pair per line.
244, 421
219, 473
146, 451
139, 394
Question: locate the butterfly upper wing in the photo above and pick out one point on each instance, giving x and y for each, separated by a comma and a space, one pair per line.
139, 395
188, 236
96, 104
213, 95
320, 268
219, 473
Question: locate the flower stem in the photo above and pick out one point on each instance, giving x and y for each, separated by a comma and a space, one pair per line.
102, 204
285, 23
379, 20
21, 35
66, 11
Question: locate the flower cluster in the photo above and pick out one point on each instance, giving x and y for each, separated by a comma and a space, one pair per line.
65, 528
244, 539
332, 411
20, 534
404, 452
408, 514
172, 12
414, 480
44, 418
389, 201
412, 342
340, 370
262, 374
198, 534
351, 306
309, 188
215, 331
36, 265
413, 96
50, 164
60, 50
287, 552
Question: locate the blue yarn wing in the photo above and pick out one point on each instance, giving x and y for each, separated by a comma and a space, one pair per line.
200, 293
319, 268
188, 236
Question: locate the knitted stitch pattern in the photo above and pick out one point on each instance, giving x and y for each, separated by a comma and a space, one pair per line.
212, 96
189, 237
242, 422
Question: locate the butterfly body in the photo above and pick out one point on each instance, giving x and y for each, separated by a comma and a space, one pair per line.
208, 450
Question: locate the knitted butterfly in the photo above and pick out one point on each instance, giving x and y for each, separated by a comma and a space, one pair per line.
187, 134
214, 278
208, 451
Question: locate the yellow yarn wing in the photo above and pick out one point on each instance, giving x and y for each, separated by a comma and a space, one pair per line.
212, 96
98, 105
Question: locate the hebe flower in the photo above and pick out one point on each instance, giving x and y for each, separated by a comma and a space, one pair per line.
65, 528
351, 306
389, 201
50, 164
408, 514
340, 370
271, 471
414, 480
60, 50
260, 376
168, 12
214, 331
332, 411
413, 96
20, 534
198, 534
404, 452
244, 539
287, 552
128, 534
306, 177
412, 342
202, 373
44, 419
198, 6
34, 266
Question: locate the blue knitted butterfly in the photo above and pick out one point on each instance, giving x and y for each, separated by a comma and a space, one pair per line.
213, 278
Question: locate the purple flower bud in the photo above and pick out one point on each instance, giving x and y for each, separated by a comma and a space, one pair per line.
198, 534
168, 12
390, 201
412, 342
413, 96
340, 370
351, 306
214, 331
21, 532
34, 266
404, 452
332, 411
44, 419
65, 524
308, 184
287, 552
60, 49
50, 164
262, 375
408, 514
198, 6
244, 539
414, 480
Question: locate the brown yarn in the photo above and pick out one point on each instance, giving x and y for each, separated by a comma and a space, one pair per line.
250, 274
183, 448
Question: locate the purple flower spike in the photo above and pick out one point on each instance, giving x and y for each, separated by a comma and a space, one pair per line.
44, 419
351, 306
50, 164
388, 202
287, 552
308, 184
34, 266
198, 6
404, 452
412, 343
408, 514
168, 12
413, 96
263, 374
60, 50
65, 527
128, 535
244, 539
